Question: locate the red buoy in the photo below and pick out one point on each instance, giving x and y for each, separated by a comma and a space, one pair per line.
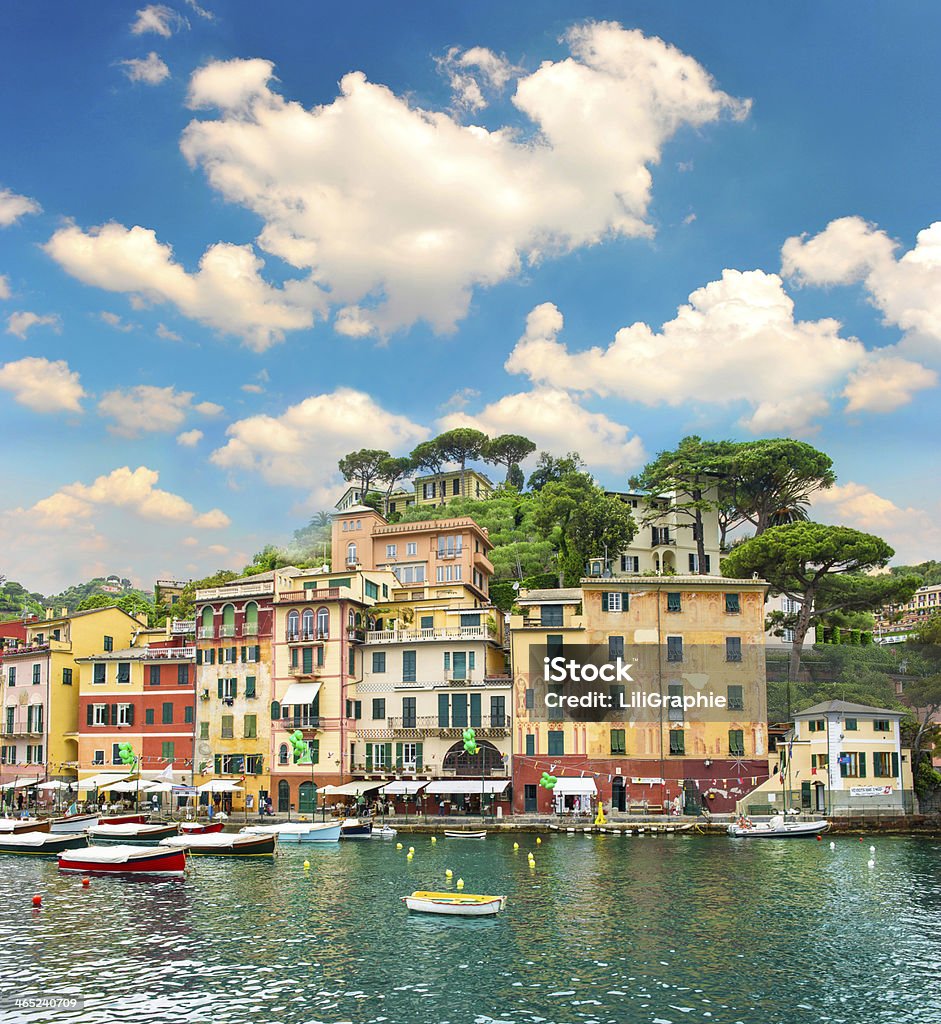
86, 882
819, 839
37, 900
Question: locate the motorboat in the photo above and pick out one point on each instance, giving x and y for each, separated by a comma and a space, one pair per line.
776, 828
353, 828
457, 904
73, 823
465, 835
16, 826
218, 844
133, 833
298, 831
124, 819
42, 844
124, 860
201, 828
384, 832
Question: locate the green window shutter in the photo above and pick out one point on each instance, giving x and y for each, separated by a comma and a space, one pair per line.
418, 757
895, 764
249, 686
470, 659
813, 760
604, 600
447, 660
89, 716
307, 660
357, 709
220, 685
235, 687
475, 719
217, 764
244, 655
368, 757
388, 757
114, 714
443, 716
459, 710
862, 764
398, 756
530, 745
168, 713
314, 747
199, 656
844, 770
149, 716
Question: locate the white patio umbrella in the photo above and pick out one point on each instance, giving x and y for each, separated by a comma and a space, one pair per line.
131, 786
55, 784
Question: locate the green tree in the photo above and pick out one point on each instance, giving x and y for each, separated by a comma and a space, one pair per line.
515, 478
428, 455
133, 604
391, 471
362, 467
185, 606
508, 450
687, 482
922, 695
823, 568
459, 445
548, 468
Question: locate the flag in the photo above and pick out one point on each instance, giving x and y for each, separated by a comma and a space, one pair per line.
167, 774
813, 771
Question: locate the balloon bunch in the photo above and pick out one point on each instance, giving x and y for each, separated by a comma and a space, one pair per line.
548, 781
300, 747
126, 753
470, 741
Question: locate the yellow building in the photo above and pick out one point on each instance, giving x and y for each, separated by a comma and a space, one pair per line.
688, 642
440, 488
40, 737
838, 759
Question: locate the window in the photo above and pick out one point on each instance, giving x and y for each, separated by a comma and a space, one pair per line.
204, 730
459, 710
378, 755
392, 550
677, 741
228, 688
275, 711
34, 754
379, 663
294, 625
409, 720
736, 700
674, 603
351, 553
614, 601
34, 718
853, 765
372, 589
498, 712
10, 713
98, 715
850, 725
283, 749
694, 563
456, 486
254, 764
98, 673
881, 725
630, 563
148, 716
351, 661
379, 707
737, 742
168, 750
251, 727
411, 548
228, 727
675, 710
11, 675
307, 624
659, 535
615, 647
554, 713
428, 490
37, 674
618, 741
448, 574
323, 623
530, 745
153, 675
818, 725
116, 753
885, 764
108, 644
819, 760
408, 666
733, 648
250, 625
66, 677
554, 645
674, 648
449, 547
732, 604
556, 742
249, 686
167, 713
551, 615
124, 671
99, 757
354, 709
125, 714
530, 699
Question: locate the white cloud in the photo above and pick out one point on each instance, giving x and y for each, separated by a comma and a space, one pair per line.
43, 385
253, 389
20, 323
132, 490
157, 18
189, 438
201, 11
906, 289
300, 448
164, 332
470, 71
13, 206
150, 70
557, 423
113, 320
226, 293
146, 408
461, 399
884, 383
736, 341
4, 286
399, 213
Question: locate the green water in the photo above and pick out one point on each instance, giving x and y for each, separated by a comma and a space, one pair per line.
603, 929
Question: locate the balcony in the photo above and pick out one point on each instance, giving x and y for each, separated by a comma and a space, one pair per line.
299, 672
226, 631
309, 596
37, 648
241, 590
356, 634
409, 636
182, 626
449, 554
170, 654
535, 622
250, 629
482, 562
430, 725
206, 633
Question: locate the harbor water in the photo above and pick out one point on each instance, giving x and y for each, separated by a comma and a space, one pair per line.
600, 930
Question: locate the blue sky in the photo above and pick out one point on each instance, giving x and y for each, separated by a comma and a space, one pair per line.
237, 242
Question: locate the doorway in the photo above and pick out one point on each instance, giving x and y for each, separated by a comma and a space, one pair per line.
307, 798
529, 799
284, 797
618, 794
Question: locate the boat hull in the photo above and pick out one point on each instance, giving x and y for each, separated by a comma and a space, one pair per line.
794, 831
131, 835
14, 826
192, 828
73, 823
297, 833
384, 832
50, 846
124, 819
453, 905
234, 845
465, 835
153, 862
353, 829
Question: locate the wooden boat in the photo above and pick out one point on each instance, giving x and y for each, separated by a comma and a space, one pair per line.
353, 828
135, 834
42, 844
465, 835
233, 844
383, 832
73, 823
124, 819
124, 860
298, 831
201, 828
776, 828
458, 904
16, 826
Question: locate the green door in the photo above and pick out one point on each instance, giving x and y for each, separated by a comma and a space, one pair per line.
805, 796
307, 798
459, 663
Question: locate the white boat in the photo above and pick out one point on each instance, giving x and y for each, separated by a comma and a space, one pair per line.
776, 828
298, 831
225, 844
383, 832
465, 835
457, 904
132, 832
122, 860
353, 828
73, 823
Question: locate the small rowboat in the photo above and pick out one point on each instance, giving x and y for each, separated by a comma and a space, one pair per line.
138, 835
458, 904
777, 828
124, 860
15, 826
383, 832
200, 828
353, 828
42, 844
124, 819
465, 835
215, 844
297, 831
73, 823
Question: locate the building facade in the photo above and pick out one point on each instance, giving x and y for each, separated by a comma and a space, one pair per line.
895, 622
440, 488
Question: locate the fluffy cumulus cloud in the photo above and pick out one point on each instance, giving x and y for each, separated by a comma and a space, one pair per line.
300, 448
134, 491
557, 423
42, 384
227, 292
146, 408
13, 206
398, 213
21, 322
735, 342
150, 70
159, 19
905, 288
189, 438
472, 72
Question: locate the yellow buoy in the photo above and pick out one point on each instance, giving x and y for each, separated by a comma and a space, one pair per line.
460, 883
398, 846
449, 873
538, 840
307, 865
409, 856
516, 846
434, 839
411, 849
532, 863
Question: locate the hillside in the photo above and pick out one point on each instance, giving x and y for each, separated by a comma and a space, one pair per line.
15, 599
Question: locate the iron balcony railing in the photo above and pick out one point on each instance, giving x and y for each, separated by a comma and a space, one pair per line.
429, 722
407, 636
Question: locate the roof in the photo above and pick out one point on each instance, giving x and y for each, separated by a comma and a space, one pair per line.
87, 611
845, 707
454, 472
288, 570
358, 509
138, 654
561, 595
691, 579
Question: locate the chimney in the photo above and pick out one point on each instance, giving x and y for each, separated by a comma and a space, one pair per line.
64, 612
49, 614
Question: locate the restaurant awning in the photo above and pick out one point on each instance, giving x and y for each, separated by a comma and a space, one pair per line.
56, 784
20, 783
575, 787
469, 786
301, 693
406, 787
102, 781
350, 789
219, 786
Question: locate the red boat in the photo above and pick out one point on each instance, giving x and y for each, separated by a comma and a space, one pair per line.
199, 828
123, 860
124, 819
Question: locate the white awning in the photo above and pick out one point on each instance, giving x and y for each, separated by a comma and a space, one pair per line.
219, 786
408, 787
101, 781
469, 786
20, 784
575, 787
301, 693
55, 784
131, 786
350, 789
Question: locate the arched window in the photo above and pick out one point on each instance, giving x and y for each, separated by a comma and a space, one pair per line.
283, 754
275, 711
351, 621
284, 797
486, 760
205, 628
293, 625
351, 552
228, 620
307, 624
251, 619
323, 623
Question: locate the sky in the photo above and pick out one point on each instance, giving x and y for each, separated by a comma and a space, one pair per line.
238, 241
